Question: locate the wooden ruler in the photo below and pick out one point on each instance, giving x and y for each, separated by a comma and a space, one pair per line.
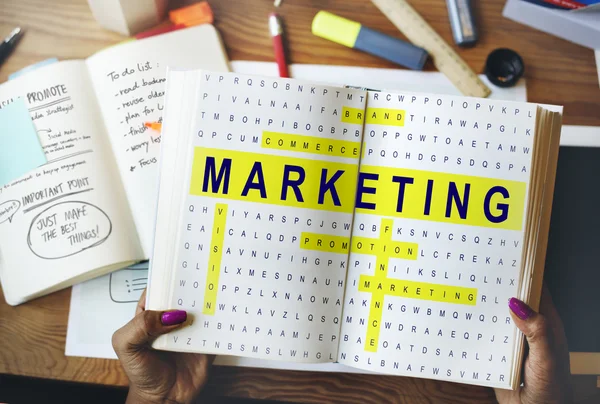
420, 33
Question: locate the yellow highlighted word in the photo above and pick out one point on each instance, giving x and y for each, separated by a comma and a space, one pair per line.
393, 249
353, 115
310, 144
379, 285
324, 242
338, 187
441, 197
275, 180
418, 290
214, 260
385, 116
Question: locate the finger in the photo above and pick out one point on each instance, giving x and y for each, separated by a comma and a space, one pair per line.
141, 305
548, 309
145, 327
535, 327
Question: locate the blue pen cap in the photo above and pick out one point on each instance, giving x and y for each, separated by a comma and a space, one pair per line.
390, 48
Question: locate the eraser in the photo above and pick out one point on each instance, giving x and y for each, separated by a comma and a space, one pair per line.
196, 14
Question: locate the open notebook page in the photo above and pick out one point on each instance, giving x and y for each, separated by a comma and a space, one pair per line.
129, 80
444, 208
257, 183
69, 216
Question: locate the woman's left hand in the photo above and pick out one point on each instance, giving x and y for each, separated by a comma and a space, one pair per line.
546, 376
158, 376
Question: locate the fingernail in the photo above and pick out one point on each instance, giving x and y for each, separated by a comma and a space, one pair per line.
522, 310
173, 317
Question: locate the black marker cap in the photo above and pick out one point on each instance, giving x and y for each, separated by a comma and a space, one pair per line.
504, 67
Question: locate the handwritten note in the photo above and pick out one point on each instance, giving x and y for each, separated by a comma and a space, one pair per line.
66, 228
139, 94
130, 83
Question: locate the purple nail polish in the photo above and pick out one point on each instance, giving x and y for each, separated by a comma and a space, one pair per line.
173, 317
522, 310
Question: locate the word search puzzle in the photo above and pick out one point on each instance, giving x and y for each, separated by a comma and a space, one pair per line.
387, 232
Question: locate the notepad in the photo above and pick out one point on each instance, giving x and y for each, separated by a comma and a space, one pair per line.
90, 209
21, 150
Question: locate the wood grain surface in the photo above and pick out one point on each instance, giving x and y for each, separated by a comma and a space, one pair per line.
32, 336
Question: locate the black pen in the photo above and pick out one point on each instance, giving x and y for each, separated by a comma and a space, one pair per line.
9, 43
462, 20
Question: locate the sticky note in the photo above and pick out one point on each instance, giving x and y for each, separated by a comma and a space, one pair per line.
196, 14
21, 150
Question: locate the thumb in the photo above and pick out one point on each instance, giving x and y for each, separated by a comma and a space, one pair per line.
145, 327
535, 327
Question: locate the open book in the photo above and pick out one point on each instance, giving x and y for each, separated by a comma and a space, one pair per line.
90, 209
383, 231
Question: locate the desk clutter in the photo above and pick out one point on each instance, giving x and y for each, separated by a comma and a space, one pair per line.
575, 21
272, 188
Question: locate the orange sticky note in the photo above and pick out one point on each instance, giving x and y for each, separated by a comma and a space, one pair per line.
153, 125
196, 14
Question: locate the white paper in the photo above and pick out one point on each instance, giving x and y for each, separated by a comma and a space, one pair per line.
581, 136
101, 306
94, 296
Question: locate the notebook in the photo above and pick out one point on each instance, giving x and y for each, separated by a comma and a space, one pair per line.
90, 209
385, 231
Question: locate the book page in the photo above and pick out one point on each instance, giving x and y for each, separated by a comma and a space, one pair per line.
262, 220
390, 80
129, 80
438, 237
101, 306
70, 216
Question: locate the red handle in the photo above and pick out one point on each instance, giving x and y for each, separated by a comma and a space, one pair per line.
280, 56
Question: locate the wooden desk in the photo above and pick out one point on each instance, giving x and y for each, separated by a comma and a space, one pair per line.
32, 336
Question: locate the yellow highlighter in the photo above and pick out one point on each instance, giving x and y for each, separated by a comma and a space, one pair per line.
353, 35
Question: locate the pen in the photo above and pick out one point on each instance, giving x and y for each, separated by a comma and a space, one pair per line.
277, 34
9, 43
462, 21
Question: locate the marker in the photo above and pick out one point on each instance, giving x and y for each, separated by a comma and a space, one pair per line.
277, 34
9, 43
153, 125
354, 35
462, 21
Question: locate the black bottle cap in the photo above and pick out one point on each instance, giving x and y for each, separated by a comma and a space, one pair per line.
504, 67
